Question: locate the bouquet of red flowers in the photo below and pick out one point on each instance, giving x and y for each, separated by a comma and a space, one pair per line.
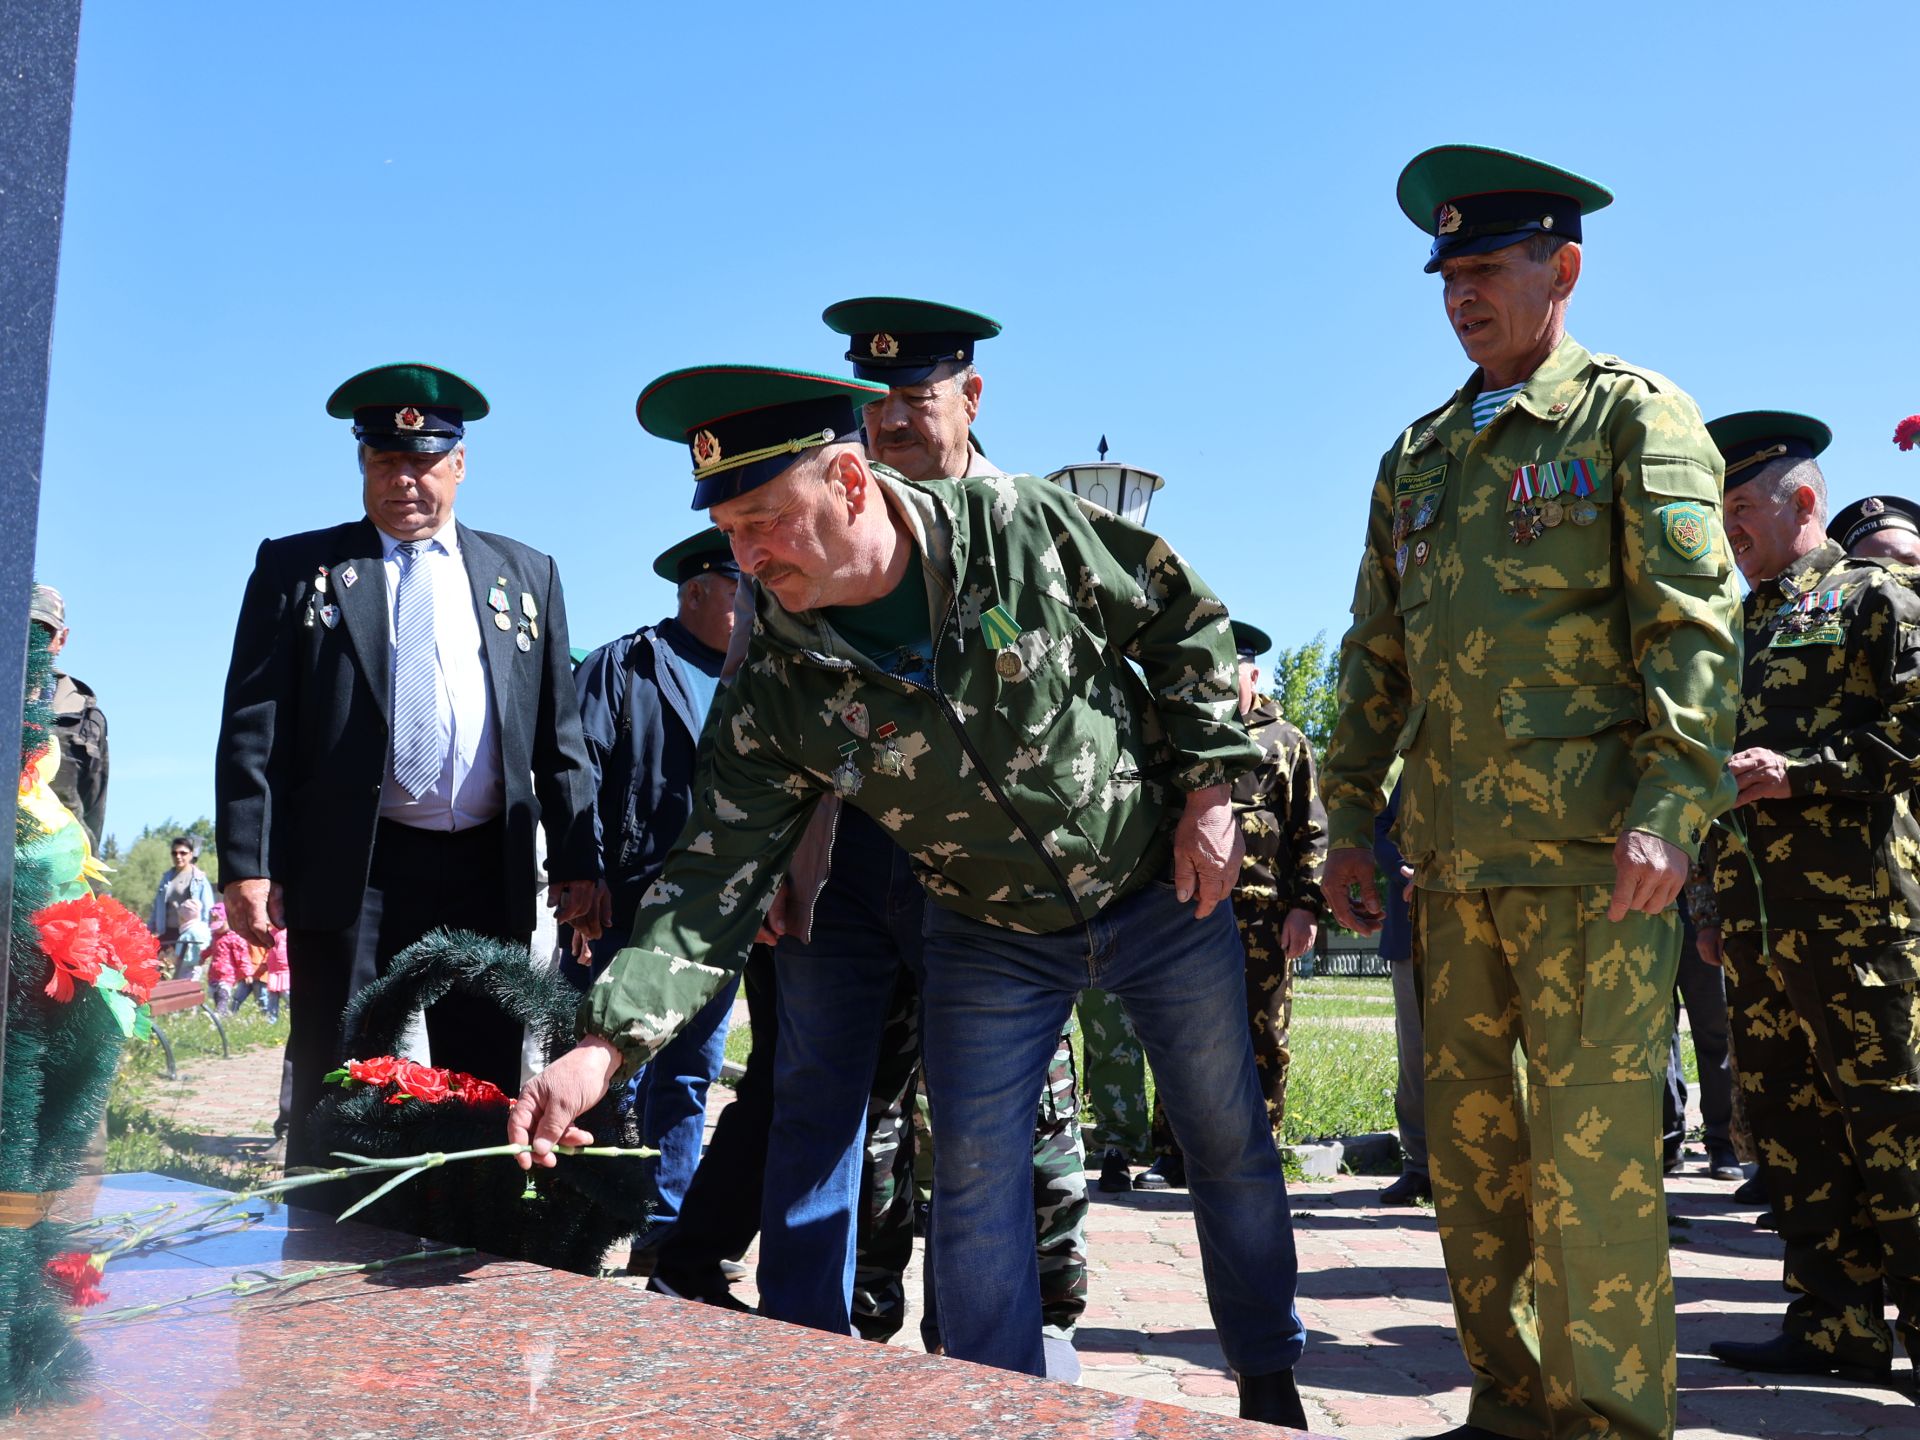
388, 1106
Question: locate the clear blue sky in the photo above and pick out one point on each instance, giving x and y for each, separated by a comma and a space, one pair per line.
1184, 217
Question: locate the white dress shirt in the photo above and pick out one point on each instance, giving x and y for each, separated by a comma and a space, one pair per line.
469, 790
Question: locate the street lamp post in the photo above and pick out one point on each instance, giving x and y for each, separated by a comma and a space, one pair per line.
1124, 489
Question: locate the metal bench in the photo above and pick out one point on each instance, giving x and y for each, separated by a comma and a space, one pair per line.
171, 997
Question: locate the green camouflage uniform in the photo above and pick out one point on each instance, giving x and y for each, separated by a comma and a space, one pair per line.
1818, 908
1031, 781
1546, 696
1115, 1077
1278, 807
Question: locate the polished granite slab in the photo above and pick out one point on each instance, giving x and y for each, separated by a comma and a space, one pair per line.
479, 1346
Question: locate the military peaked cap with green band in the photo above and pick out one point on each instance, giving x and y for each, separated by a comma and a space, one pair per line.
745, 424
1250, 640
707, 553
901, 342
1473, 199
1751, 440
419, 409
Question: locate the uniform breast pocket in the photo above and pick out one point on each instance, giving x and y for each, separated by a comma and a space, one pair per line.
1568, 771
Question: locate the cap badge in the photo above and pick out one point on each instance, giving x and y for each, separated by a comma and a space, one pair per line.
1872, 505
883, 346
706, 450
1546, 222
409, 419
1448, 220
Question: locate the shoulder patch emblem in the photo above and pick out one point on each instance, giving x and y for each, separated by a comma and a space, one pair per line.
1688, 530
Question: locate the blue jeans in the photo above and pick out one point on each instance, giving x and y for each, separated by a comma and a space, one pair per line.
993, 1004
835, 993
669, 1094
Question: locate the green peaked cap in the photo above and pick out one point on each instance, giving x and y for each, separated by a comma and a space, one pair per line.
1250, 639
1455, 172
408, 383
901, 316
1751, 440
700, 554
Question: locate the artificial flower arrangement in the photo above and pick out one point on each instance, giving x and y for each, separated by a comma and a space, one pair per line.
387, 1107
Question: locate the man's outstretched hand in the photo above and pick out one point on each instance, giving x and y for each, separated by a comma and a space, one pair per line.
559, 1095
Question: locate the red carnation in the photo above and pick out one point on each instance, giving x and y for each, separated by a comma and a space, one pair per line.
85, 935
1907, 433
378, 1071
474, 1091
77, 1275
422, 1082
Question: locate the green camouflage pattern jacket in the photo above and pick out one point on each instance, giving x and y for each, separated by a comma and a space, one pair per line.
1551, 692
1026, 774
1278, 807
1833, 685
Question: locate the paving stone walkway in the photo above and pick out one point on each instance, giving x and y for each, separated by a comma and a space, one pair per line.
1382, 1362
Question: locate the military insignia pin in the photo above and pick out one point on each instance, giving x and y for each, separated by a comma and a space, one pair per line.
1447, 221
1420, 553
854, 717
1688, 530
522, 643
1583, 512
706, 450
1008, 665
1400, 561
320, 583
883, 346
500, 620
1872, 505
409, 419
348, 576
329, 615
1524, 525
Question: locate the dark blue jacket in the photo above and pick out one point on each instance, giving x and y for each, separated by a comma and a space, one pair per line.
642, 727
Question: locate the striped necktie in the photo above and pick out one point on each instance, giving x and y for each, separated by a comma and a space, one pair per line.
416, 719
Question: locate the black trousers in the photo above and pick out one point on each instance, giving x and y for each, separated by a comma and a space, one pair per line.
420, 880
720, 1213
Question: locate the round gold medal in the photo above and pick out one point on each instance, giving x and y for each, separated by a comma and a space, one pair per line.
1552, 512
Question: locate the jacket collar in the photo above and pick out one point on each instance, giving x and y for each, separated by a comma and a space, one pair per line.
1810, 569
1559, 382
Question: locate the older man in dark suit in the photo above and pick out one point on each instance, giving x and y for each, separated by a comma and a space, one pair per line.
399, 714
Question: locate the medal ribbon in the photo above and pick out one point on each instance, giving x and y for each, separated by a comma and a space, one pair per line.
1582, 478
1549, 480
1522, 490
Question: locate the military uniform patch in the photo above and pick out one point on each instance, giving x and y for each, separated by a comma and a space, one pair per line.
706, 449
1419, 484
1688, 529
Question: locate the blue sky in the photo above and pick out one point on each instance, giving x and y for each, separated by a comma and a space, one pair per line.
1183, 216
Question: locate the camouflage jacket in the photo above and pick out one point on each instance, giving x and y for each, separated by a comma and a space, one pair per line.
1280, 816
81, 780
1546, 695
1833, 684
1025, 775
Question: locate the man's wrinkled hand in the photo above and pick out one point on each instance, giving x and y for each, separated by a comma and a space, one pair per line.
1298, 933
1648, 874
1350, 889
255, 910
1707, 942
1760, 774
773, 924
1207, 849
587, 905
543, 1116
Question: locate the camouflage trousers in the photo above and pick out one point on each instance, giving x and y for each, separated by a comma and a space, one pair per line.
1823, 1055
1269, 1013
1115, 1078
899, 1144
1546, 1048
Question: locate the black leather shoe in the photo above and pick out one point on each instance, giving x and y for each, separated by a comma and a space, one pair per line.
1116, 1176
1169, 1172
1725, 1165
1754, 1192
717, 1296
1271, 1399
1670, 1160
1409, 1189
1766, 1220
1789, 1355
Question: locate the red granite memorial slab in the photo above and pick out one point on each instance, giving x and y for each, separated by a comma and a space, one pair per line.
477, 1346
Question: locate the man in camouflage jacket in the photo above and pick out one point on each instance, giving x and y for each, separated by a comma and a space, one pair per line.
1063, 810
1819, 899
1543, 627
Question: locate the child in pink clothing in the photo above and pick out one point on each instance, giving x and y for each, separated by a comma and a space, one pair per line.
270, 975
229, 966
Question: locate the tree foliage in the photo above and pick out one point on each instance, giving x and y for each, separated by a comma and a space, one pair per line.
137, 869
1303, 680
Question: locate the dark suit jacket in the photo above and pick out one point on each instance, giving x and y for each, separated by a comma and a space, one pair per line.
304, 732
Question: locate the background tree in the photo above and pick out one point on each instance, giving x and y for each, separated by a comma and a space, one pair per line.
138, 869
1303, 680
